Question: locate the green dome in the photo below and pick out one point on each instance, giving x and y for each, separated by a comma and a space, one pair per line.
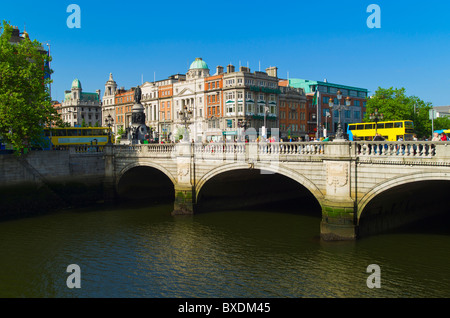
199, 63
76, 84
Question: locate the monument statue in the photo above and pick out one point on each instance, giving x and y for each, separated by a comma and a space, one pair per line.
137, 95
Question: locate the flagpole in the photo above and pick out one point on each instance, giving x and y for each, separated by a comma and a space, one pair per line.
317, 117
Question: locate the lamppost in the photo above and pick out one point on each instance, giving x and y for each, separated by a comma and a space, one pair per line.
244, 123
109, 122
185, 117
376, 117
266, 110
327, 115
339, 107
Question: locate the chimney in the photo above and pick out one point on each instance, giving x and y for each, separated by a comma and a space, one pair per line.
219, 70
230, 68
244, 69
272, 71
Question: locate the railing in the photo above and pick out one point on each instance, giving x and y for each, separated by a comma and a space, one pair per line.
386, 149
86, 149
419, 149
145, 148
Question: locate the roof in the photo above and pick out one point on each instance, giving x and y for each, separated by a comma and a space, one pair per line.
76, 83
306, 84
91, 97
199, 64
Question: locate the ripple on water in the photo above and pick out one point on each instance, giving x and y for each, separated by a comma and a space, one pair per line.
148, 253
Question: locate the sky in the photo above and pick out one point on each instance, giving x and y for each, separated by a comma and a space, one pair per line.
315, 40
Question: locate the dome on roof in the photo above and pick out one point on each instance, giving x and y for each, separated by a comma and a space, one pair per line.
76, 84
199, 64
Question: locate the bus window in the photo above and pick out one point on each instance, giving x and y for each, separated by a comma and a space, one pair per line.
368, 126
359, 127
389, 125
352, 127
86, 132
398, 125
380, 126
59, 132
73, 132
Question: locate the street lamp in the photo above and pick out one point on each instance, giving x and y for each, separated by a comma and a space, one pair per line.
109, 122
339, 107
266, 110
185, 117
327, 115
376, 117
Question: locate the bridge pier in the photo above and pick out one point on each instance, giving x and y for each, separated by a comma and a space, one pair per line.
338, 207
184, 201
184, 189
338, 221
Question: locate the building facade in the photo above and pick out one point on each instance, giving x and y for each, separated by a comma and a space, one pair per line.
323, 121
108, 102
292, 112
81, 108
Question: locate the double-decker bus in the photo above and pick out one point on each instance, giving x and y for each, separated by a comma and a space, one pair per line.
389, 130
77, 136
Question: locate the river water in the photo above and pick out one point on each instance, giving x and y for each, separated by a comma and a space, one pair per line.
145, 252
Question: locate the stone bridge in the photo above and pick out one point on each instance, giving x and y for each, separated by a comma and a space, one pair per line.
354, 182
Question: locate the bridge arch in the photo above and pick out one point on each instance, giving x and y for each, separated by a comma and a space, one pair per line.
399, 181
144, 164
291, 174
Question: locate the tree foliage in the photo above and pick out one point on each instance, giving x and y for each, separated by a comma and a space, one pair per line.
394, 104
25, 102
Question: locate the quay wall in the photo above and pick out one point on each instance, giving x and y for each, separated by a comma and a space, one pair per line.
42, 181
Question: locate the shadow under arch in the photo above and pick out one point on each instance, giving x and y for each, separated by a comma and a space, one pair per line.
403, 201
145, 182
235, 186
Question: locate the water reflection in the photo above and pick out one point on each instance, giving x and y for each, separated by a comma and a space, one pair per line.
145, 252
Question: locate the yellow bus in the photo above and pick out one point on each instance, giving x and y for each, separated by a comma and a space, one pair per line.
78, 136
389, 130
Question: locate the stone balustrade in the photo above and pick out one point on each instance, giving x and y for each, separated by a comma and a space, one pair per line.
385, 149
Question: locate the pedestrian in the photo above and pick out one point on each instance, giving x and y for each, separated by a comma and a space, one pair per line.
378, 137
443, 137
435, 137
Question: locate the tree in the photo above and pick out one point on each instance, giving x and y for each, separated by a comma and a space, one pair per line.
442, 123
25, 102
395, 105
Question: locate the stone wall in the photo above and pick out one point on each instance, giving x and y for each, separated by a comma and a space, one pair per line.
42, 181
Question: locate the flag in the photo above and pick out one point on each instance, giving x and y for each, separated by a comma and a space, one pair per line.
315, 98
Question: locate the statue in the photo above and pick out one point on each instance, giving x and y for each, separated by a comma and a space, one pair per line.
137, 95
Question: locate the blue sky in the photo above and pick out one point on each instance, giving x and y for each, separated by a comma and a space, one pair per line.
305, 39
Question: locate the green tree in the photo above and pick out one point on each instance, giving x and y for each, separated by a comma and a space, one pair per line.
441, 123
25, 102
394, 104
